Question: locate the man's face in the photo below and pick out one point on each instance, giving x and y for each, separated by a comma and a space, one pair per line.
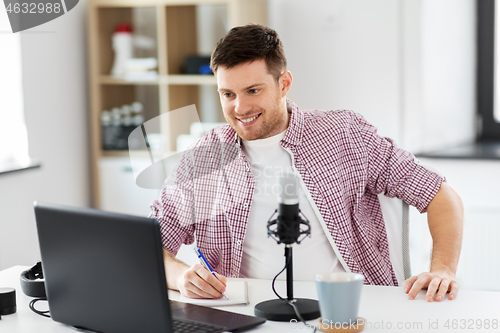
253, 102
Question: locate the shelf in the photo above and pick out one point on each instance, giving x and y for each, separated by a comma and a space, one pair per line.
179, 79
191, 79
144, 3
136, 153
117, 153
113, 80
481, 150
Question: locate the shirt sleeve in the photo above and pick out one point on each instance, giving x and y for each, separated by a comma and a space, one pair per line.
174, 209
395, 171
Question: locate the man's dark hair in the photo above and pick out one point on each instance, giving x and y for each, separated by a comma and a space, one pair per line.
249, 43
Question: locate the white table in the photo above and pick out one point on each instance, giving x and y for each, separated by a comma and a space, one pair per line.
385, 309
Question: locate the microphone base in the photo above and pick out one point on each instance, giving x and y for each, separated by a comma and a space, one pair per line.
278, 310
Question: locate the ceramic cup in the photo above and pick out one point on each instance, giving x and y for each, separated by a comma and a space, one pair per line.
339, 295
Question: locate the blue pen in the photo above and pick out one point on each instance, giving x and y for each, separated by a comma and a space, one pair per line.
205, 264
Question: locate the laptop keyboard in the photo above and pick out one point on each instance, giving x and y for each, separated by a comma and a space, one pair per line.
181, 326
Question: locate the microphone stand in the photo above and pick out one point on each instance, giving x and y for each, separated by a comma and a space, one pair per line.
289, 271
286, 309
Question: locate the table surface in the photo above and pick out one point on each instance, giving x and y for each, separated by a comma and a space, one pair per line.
384, 308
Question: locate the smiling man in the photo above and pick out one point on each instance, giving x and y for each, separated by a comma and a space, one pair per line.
223, 192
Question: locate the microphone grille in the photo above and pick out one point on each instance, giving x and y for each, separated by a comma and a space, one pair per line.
289, 189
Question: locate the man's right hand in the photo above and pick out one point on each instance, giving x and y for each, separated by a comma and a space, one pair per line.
195, 281
198, 282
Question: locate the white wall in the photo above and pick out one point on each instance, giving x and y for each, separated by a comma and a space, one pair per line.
55, 100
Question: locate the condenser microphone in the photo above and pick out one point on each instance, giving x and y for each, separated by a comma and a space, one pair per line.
287, 229
290, 224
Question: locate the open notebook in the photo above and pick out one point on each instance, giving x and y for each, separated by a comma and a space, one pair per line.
236, 290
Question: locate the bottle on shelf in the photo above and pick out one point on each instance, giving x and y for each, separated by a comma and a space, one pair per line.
123, 48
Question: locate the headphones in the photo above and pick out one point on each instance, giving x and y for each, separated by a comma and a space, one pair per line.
32, 282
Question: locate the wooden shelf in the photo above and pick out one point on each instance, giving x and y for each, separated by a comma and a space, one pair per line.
115, 153
150, 3
109, 79
191, 79
179, 79
137, 153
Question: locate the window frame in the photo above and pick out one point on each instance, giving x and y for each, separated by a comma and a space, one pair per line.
489, 128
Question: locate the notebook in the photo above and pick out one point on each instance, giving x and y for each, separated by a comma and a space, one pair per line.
104, 272
236, 291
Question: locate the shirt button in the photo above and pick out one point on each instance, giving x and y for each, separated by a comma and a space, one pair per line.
245, 205
239, 242
248, 169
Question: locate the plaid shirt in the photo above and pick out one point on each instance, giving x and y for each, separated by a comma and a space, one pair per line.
344, 165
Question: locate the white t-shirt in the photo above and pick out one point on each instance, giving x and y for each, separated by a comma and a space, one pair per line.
263, 258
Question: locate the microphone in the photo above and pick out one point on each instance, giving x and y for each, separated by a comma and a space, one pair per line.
291, 223
287, 229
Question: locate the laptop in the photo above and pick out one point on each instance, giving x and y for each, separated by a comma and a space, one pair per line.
104, 272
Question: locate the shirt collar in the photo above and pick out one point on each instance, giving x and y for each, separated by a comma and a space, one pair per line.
295, 125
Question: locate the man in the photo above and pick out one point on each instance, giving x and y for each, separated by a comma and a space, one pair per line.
222, 189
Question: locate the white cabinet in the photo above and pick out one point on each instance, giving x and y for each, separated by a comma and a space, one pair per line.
119, 191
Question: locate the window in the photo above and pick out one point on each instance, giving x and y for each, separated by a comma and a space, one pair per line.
488, 79
13, 134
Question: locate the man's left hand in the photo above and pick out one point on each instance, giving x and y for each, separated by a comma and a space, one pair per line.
437, 283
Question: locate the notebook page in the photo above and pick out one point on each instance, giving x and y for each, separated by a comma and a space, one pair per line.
236, 291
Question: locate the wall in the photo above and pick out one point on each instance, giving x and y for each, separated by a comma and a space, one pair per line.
55, 100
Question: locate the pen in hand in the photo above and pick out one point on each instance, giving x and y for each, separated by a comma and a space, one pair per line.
205, 264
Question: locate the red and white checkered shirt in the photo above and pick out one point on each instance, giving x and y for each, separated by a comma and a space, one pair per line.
344, 164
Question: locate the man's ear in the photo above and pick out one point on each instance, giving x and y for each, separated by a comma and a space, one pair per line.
285, 82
